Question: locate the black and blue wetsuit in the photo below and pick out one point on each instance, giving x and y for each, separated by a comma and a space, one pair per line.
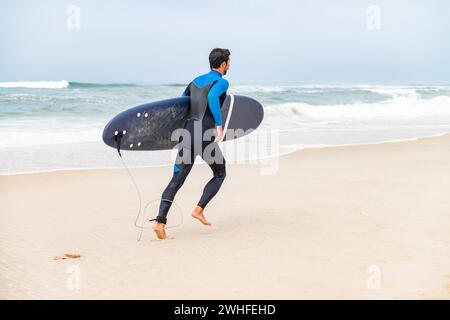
207, 93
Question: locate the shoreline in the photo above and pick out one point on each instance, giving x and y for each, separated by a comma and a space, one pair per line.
297, 149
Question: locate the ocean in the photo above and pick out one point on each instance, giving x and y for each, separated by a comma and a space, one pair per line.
51, 125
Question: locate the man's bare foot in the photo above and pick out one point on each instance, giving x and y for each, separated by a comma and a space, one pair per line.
198, 214
159, 230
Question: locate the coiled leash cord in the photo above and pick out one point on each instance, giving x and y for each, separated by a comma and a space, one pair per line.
141, 212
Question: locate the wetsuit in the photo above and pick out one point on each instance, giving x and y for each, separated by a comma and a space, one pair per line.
207, 93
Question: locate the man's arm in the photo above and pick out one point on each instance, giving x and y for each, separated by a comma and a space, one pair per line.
214, 94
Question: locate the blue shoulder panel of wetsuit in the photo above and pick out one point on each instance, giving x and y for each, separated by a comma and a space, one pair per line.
219, 88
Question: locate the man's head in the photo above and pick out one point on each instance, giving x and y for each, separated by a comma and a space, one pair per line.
219, 60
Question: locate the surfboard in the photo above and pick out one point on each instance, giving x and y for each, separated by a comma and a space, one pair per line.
150, 126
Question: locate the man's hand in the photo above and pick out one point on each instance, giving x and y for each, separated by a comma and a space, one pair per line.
219, 135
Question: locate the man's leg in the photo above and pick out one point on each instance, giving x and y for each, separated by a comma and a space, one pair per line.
179, 176
213, 185
180, 172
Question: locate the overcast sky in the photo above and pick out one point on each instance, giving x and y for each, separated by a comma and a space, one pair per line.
271, 41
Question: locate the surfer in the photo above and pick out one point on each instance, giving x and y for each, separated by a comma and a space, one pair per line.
207, 93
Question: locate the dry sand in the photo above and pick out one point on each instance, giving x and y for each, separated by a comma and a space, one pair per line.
363, 222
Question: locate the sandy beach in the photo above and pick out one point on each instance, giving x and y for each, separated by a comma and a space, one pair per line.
354, 222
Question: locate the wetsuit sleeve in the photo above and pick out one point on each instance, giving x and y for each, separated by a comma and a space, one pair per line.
214, 94
187, 91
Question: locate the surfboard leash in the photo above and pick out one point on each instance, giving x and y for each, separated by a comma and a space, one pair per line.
118, 139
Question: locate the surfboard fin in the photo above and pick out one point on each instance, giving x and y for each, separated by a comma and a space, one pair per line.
118, 139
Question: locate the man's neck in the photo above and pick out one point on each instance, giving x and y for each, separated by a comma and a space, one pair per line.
217, 70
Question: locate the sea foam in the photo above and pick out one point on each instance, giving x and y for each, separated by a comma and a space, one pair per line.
36, 84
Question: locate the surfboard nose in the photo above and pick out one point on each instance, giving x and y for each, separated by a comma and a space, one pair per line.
109, 134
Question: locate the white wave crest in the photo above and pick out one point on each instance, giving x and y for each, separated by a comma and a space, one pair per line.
16, 138
257, 88
403, 107
36, 84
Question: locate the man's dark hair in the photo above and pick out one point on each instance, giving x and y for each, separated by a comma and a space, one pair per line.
217, 56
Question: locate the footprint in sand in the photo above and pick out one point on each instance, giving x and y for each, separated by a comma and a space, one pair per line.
67, 256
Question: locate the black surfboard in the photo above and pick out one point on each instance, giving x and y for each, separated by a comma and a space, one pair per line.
150, 126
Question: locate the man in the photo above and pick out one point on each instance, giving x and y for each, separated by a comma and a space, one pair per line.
207, 93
